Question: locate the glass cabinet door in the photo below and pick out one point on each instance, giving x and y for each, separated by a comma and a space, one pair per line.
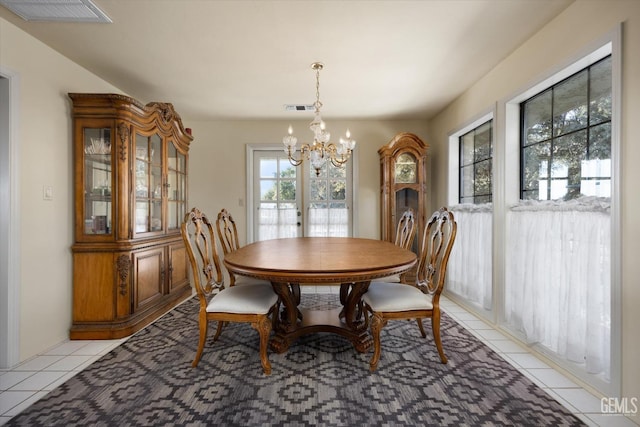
177, 186
149, 188
98, 202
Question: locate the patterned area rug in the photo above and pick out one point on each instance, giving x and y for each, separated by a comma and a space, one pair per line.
321, 380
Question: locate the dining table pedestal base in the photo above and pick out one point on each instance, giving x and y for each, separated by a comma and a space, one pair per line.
320, 321
294, 321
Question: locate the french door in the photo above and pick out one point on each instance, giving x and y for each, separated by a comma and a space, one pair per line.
291, 201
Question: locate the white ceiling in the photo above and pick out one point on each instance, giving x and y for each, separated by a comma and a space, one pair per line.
242, 59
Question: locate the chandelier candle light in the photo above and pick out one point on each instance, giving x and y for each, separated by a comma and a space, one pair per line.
321, 149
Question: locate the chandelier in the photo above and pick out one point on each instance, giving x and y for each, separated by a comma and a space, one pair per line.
321, 150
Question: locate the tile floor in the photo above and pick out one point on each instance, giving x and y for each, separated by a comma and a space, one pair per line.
34, 378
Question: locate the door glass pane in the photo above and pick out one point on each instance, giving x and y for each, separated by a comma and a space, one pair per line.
338, 189
318, 189
287, 189
97, 181
268, 189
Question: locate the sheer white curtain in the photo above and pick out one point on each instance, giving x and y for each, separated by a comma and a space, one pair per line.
557, 286
277, 222
469, 269
328, 222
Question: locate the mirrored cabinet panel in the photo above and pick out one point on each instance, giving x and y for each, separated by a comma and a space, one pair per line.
129, 261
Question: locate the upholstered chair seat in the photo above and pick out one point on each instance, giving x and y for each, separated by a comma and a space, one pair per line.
243, 300
392, 297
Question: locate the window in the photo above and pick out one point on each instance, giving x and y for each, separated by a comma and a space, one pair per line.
566, 137
558, 250
476, 164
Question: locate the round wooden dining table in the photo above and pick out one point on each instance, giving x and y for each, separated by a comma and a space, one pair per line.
350, 262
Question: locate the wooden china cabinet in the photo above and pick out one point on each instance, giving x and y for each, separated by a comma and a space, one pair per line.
130, 178
403, 183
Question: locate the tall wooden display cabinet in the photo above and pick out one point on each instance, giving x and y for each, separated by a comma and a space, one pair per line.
403, 184
130, 178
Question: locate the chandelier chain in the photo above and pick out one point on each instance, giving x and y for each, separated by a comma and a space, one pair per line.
318, 104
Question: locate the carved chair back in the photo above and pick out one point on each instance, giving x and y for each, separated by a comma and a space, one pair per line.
199, 239
406, 231
227, 232
438, 239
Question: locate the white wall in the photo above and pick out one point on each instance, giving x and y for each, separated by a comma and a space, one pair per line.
45, 159
582, 23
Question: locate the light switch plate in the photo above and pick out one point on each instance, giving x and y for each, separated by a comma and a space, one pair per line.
47, 192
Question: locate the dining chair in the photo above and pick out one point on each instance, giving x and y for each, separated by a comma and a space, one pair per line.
391, 301
250, 303
405, 235
228, 235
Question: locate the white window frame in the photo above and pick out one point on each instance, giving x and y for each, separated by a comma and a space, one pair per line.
454, 197
454, 154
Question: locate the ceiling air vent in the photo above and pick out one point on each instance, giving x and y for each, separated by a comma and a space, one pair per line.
298, 107
57, 10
